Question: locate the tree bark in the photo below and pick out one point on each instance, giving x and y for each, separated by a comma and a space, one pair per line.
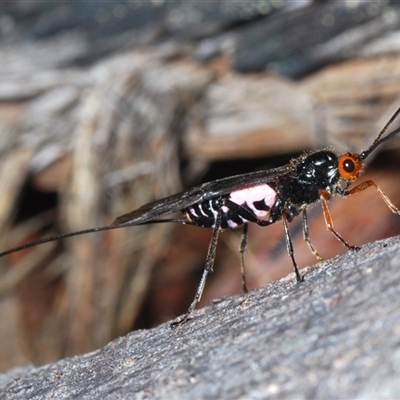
336, 335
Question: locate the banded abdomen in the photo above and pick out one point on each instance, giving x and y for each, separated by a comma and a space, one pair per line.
256, 201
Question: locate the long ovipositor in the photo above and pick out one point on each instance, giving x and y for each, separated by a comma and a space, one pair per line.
262, 197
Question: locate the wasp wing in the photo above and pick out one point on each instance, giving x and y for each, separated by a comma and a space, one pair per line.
209, 190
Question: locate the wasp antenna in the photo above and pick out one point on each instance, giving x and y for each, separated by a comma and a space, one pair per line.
84, 232
385, 128
54, 238
367, 152
378, 139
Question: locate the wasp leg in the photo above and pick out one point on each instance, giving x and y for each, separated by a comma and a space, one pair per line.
306, 237
324, 197
242, 249
365, 185
249, 216
252, 218
207, 269
289, 246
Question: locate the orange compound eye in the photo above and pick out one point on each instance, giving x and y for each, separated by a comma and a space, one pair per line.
349, 166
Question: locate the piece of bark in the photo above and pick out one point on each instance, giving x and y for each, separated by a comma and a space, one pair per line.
295, 43
114, 86
334, 336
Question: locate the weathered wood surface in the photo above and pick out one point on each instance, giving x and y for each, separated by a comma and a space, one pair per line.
335, 336
109, 105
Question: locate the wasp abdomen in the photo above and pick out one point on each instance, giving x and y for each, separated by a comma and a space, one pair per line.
254, 201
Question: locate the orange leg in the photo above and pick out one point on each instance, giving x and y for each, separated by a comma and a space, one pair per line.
365, 185
324, 197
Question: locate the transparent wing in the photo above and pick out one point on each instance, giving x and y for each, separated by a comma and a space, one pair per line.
206, 191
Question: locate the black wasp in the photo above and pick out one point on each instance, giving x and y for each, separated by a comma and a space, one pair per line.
262, 197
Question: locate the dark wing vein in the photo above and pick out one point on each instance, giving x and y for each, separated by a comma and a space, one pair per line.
209, 190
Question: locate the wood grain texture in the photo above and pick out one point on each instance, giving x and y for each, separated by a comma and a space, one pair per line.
334, 336
106, 106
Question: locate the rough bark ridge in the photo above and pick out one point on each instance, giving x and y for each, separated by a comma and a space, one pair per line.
108, 105
334, 336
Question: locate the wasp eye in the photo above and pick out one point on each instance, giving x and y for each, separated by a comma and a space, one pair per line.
348, 165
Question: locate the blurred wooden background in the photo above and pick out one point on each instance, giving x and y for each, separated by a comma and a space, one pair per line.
105, 106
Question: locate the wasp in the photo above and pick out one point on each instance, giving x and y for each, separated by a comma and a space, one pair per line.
262, 197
